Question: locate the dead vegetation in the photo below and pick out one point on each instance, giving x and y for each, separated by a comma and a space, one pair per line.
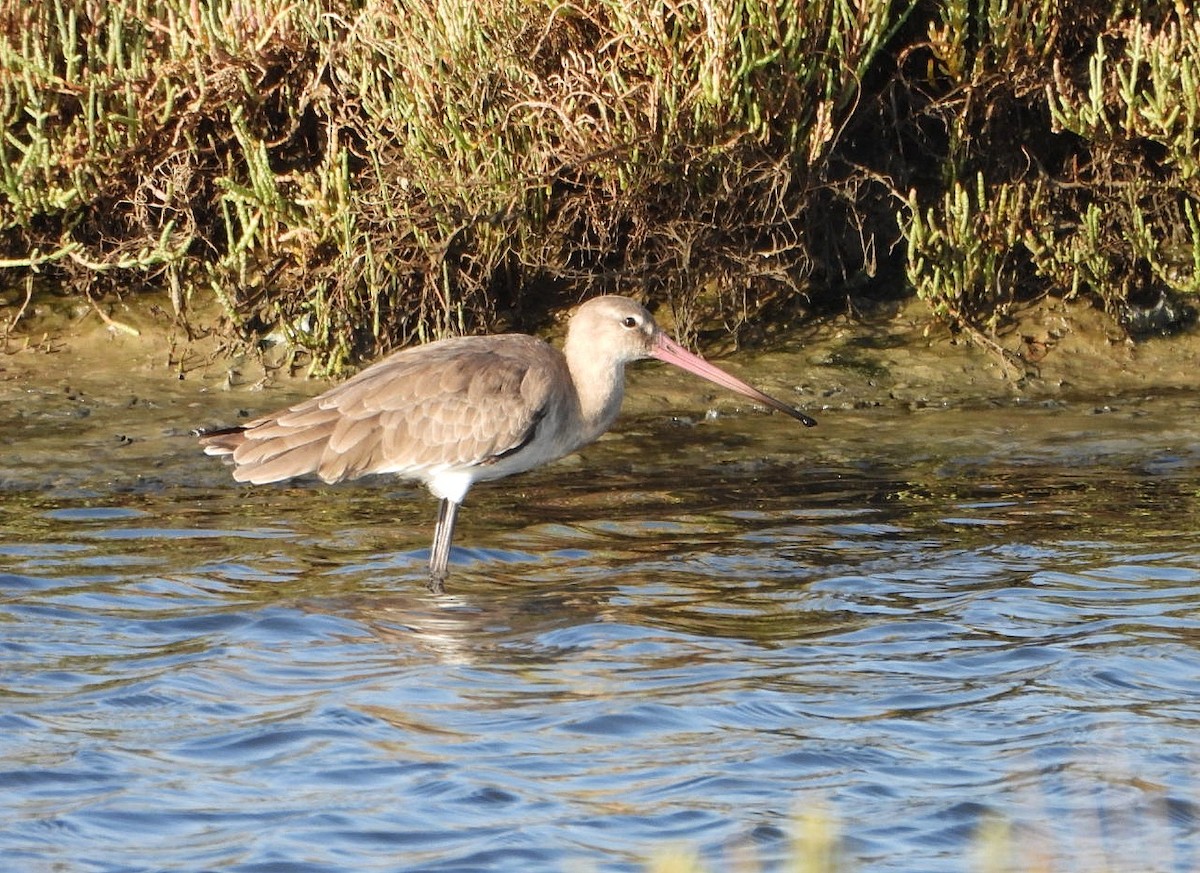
357, 175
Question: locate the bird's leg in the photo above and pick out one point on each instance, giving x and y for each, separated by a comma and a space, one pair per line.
439, 556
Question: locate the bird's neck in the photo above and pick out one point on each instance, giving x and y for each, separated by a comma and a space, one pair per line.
599, 384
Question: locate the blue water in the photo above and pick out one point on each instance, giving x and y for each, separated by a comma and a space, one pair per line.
921, 623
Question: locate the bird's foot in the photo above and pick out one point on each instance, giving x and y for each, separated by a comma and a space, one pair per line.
436, 583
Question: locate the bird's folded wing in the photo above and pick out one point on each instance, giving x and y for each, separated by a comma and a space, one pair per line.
453, 404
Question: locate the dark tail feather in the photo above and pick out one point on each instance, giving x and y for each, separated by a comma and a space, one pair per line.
221, 441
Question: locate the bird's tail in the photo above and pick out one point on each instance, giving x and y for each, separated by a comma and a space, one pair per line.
222, 441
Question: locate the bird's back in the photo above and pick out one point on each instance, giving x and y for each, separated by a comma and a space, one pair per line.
456, 404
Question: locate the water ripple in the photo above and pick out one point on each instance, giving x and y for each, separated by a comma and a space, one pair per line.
921, 636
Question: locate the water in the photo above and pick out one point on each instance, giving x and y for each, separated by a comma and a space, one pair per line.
922, 622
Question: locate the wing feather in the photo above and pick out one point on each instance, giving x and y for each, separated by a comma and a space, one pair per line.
279, 465
451, 404
273, 441
349, 432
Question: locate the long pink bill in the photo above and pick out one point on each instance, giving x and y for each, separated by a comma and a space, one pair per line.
666, 349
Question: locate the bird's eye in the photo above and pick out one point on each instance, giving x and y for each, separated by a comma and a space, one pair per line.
629, 321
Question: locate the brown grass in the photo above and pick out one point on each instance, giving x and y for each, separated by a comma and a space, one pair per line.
359, 175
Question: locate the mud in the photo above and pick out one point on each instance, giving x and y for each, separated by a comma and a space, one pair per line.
72, 360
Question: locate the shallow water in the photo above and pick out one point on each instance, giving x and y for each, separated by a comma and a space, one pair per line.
923, 621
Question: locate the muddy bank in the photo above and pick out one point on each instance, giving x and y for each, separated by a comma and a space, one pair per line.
73, 363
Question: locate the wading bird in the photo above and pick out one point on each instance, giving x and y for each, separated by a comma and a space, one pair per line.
467, 409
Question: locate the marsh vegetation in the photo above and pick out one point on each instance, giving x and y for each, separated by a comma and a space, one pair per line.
357, 175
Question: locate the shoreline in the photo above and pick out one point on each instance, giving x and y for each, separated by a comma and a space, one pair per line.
1069, 351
